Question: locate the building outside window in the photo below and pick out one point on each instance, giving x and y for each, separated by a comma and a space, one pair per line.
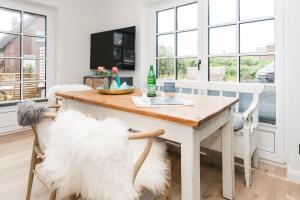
22, 56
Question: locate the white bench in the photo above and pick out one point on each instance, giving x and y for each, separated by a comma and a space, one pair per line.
245, 124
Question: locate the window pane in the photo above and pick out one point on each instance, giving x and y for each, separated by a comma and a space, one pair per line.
10, 20
9, 45
187, 68
187, 16
166, 45
34, 47
166, 68
187, 43
257, 37
222, 11
34, 70
33, 90
9, 92
34, 24
256, 9
267, 105
259, 69
222, 69
222, 40
166, 21
9, 70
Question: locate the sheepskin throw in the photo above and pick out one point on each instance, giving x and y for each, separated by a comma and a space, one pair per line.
30, 112
95, 158
64, 88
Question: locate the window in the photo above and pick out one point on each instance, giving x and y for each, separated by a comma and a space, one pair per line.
241, 41
22, 55
242, 48
177, 42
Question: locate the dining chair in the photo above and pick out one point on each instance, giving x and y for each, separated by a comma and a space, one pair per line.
38, 117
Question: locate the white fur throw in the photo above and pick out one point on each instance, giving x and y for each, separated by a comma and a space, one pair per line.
64, 88
95, 158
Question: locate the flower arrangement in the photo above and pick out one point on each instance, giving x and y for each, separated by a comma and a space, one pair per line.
112, 77
104, 73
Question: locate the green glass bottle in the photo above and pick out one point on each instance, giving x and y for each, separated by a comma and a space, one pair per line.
151, 83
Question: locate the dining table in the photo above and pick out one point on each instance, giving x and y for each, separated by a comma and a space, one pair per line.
185, 125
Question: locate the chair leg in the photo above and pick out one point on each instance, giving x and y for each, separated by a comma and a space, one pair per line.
255, 159
247, 169
31, 174
169, 186
247, 158
53, 195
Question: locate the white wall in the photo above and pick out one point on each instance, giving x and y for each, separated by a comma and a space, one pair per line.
292, 92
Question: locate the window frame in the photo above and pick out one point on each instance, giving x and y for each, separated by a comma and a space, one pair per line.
175, 32
237, 55
28, 9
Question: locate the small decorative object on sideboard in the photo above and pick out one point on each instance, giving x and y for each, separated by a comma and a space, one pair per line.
112, 82
109, 77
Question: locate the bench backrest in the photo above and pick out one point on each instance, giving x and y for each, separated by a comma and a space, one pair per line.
203, 88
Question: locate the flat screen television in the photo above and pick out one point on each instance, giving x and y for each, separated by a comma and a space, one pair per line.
113, 48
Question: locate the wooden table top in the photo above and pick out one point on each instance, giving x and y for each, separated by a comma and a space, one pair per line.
204, 108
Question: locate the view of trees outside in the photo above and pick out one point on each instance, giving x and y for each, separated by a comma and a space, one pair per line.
225, 68
166, 67
186, 67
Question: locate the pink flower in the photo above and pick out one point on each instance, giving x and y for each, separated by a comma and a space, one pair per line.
114, 70
101, 69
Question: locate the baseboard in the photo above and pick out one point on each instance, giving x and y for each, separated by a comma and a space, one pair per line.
12, 129
293, 175
272, 162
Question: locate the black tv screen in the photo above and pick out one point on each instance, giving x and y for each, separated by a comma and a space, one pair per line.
113, 48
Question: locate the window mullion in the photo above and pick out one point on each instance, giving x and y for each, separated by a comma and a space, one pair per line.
22, 56
238, 41
175, 42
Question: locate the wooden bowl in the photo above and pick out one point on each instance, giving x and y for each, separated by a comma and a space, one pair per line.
115, 91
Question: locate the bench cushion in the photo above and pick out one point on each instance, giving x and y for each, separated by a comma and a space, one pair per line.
238, 122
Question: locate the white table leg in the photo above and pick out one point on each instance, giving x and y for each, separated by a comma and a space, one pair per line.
190, 167
228, 161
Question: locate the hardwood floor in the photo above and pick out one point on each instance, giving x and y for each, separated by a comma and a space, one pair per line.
268, 182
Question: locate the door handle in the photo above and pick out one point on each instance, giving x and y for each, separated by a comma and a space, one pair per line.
199, 63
